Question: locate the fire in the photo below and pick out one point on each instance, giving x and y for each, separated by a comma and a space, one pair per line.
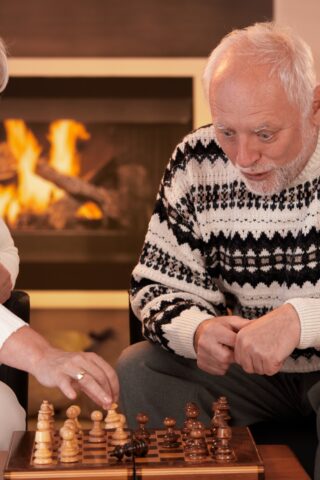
89, 210
30, 193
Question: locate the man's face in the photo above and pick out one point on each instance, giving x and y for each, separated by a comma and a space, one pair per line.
263, 135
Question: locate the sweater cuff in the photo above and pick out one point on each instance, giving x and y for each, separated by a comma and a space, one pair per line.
180, 332
308, 310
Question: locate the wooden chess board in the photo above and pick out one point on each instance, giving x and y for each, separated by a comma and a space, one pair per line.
159, 463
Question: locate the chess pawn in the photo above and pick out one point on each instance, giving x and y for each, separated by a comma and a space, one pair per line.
96, 434
170, 438
142, 433
68, 453
119, 437
196, 448
43, 444
69, 423
223, 452
72, 413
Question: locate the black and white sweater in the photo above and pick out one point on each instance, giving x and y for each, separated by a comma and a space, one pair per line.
210, 239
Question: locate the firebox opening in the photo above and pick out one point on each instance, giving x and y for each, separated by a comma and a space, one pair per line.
81, 160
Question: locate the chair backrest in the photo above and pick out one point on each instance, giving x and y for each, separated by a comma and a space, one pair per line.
135, 329
16, 379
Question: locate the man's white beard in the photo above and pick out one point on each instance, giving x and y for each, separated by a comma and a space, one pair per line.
281, 177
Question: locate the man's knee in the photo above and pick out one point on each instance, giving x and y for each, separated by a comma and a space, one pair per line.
12, 415
132, 359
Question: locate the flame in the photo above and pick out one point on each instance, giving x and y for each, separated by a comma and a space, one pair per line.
63, 135
33, 194
89, 210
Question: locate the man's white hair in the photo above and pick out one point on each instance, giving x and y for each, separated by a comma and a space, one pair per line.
290, 59
4, 72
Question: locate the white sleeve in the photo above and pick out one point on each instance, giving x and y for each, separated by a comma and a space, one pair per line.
8, 252
9, 324
308, 310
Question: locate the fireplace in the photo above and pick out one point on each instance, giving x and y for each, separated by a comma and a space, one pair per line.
81, 160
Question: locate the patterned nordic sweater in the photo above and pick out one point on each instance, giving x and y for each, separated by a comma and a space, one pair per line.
210, 240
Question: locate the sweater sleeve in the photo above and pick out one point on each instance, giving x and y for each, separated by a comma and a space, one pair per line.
171, 289
10, 260
308, 310
8, 252
9, 324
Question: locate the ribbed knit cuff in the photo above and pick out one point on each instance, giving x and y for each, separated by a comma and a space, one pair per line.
180, 332
308, 310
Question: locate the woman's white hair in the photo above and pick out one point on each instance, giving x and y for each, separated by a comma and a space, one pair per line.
289, 57
4, 72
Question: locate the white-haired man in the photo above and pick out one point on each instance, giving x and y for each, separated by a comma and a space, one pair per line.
23, 348
237, 216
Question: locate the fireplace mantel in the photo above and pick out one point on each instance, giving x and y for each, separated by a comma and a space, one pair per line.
120, 67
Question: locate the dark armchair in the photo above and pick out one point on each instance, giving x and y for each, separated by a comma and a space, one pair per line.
300, 436
17, 380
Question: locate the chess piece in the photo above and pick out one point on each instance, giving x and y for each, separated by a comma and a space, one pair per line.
142, 433
43, 444
97, 433
192, 412
196, 448
170, 438
119, 437
68, 452
113, 418
52, 422
223, 406
223, 452
69, 423
216, 421
45, 411
134, 448
72, 413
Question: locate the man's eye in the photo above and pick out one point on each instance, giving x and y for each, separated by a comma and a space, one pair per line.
227, 133
265, 135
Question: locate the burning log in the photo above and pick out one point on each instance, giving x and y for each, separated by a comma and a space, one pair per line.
81, 191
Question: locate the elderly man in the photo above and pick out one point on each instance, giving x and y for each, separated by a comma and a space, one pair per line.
237, 218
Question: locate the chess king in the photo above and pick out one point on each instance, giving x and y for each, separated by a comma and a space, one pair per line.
227, 287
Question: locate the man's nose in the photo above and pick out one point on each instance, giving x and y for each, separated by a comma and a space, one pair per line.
247, 153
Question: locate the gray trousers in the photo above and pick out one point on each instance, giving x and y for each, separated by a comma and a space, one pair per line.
159, 383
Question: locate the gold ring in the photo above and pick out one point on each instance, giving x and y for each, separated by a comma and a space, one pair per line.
79, 376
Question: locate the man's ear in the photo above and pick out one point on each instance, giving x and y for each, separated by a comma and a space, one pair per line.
316, 106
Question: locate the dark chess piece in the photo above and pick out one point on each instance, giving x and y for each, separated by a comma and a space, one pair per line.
196, 447
192, 412
223, 452
134, 448
216, 421
170, 438
223, 406
142, 433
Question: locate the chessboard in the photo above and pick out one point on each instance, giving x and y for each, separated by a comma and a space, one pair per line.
110, 450
96, 462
